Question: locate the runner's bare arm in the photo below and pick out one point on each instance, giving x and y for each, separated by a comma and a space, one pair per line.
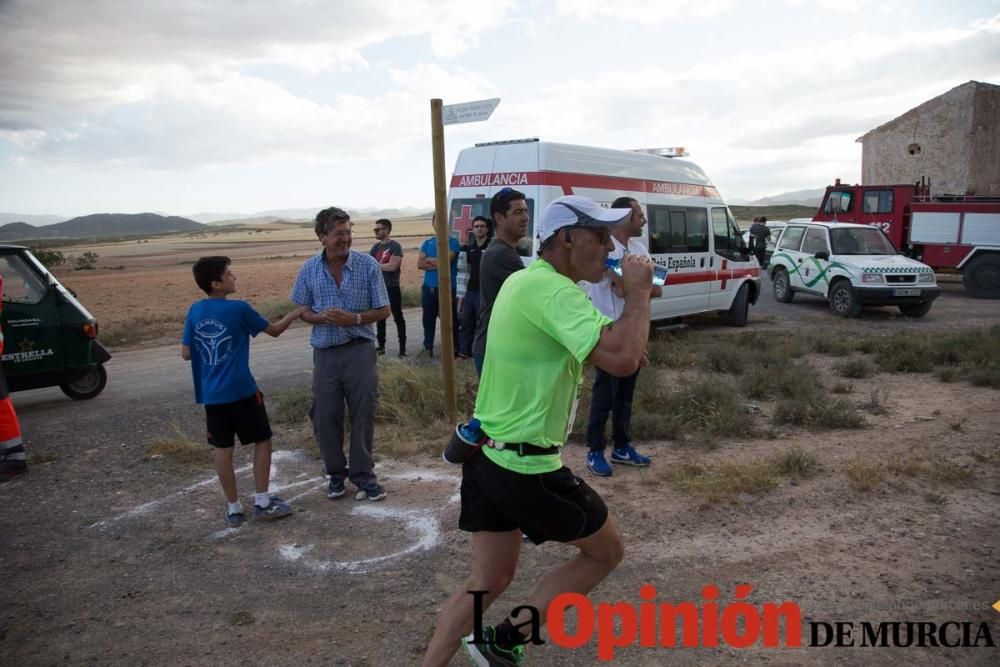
622, 345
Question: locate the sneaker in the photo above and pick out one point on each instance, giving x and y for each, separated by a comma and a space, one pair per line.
371, 491
235, 520
335, 489
427, 352
628, 456
277, 509
381, 350
491, 655
597, 464
11, 469
402, 352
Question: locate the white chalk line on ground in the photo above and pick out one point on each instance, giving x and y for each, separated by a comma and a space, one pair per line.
422, 522
147, 507
425, 525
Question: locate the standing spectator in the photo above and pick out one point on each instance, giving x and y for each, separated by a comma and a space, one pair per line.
219, 329
613, 394
344, 293
13, 461
760, 234
470, 304
509, 210
544, 331
427, 262
389, 256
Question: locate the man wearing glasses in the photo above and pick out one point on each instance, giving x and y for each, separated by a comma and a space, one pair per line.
544, 330
344, 294
469, 313
389, 255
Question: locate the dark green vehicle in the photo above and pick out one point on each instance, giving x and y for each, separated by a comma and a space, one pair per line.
49, 338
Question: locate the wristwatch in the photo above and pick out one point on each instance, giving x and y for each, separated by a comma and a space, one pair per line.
357, 319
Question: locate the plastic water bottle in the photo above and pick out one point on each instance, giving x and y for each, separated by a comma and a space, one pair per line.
464, 442
659, 273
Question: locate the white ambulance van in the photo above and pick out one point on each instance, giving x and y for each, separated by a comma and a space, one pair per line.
690, 230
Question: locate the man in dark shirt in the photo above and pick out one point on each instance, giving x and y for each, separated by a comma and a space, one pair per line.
469, 313
389, 255
760, 234
509, 210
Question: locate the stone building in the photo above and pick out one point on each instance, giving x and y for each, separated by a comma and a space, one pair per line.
953, 140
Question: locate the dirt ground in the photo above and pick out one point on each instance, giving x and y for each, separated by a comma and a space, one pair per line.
114, 559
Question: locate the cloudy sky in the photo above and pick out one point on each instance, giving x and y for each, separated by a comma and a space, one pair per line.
190, 106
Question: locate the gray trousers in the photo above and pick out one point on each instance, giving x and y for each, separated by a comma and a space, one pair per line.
345, 375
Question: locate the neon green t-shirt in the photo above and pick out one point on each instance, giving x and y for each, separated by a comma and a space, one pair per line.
542, 329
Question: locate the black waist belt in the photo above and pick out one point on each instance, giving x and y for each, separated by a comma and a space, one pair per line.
522, 448
353, 341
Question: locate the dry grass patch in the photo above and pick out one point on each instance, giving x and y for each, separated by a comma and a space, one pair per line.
292, 405
179, 450
863, 474
796, 462
141, 329
934, 467
723, 483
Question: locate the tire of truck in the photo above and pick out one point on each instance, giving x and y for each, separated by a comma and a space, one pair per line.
782, 287
86, 386
981, 277
740, 310
915, 309
843, 300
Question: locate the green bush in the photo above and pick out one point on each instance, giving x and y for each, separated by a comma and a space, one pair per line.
856, 368
49, 258
86, 262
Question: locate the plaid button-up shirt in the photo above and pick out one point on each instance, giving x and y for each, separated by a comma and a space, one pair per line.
362, 289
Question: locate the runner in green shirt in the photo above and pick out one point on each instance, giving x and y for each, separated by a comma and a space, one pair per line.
543, 329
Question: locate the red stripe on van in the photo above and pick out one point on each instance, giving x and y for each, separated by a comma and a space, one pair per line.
688, 277
568, 180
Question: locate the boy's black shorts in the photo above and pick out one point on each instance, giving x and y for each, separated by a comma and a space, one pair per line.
246, 418
555, 505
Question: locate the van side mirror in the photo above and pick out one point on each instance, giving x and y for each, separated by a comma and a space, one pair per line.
823, 254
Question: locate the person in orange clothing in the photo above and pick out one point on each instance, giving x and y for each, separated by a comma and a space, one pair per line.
12, 459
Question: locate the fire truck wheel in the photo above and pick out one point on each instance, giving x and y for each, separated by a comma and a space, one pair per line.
981, 277
782, 289
843, 301
915, 309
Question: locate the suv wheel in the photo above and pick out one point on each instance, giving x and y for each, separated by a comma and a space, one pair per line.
782, 288
843, 300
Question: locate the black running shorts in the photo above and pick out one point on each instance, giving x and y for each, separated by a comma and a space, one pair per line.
246, 418
556, 506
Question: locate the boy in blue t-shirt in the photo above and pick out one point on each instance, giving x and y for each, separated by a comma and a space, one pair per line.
427, 261
218, 330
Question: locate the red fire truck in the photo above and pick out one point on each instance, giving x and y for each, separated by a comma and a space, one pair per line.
947, 232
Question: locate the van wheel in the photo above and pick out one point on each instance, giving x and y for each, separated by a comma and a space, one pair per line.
843, 301
915, 309
88, 385
982, 277
740, 310
782, 289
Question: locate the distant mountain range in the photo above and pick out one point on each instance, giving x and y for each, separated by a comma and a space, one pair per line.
37, 220
307, 214
811, 198
100, 225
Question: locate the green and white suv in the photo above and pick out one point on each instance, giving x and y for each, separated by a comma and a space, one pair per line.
850, 266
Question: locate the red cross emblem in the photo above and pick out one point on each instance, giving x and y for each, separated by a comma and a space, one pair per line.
463, 223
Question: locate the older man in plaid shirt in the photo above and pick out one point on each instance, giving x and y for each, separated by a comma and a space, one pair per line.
345, 294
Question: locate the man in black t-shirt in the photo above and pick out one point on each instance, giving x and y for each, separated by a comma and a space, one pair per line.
389, 255
509, 209
469, 313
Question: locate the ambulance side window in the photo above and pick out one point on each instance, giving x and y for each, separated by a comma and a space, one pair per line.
677, 229
20, 283
728, 238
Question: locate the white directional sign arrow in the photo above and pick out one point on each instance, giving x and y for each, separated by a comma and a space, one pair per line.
468, 112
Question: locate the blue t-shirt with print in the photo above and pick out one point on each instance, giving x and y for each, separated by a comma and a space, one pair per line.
429, 248
218, 332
